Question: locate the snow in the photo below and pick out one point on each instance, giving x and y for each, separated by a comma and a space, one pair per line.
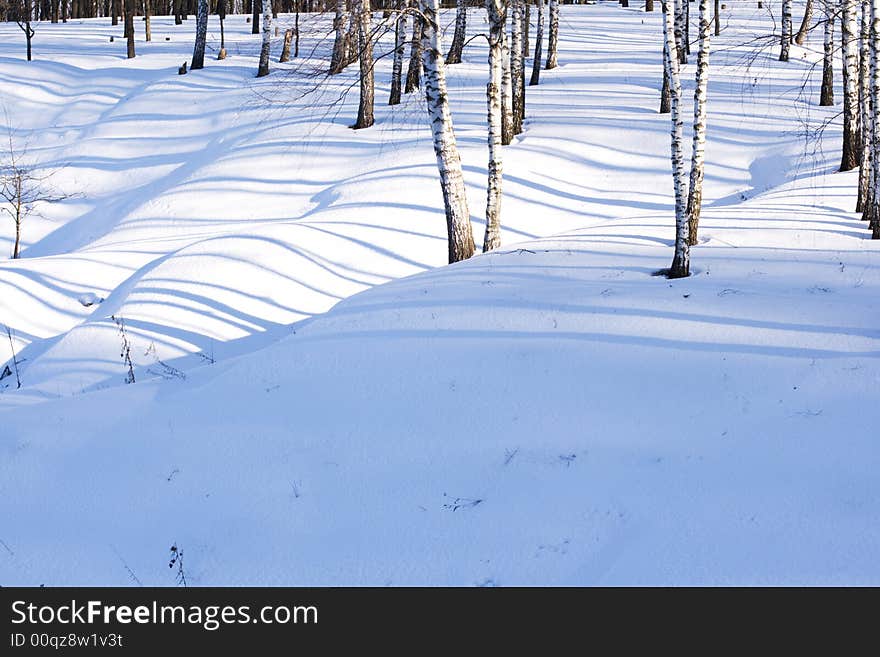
320, 401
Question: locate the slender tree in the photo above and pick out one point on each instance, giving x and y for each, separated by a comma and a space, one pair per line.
801, 35
539, 37
681, 261
129, 6
148, 12
695, 189
414, 69
458, 38
363, 16
497, 10
553, 36
517, 67
872, 208
506, 84
399, 47
340, 25
716, 17
198, 58
256, 8
851, 152
785, 37
460, 236
221, 14
266, 46
826, 95
866, 163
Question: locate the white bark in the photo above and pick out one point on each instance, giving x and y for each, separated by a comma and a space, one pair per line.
340, 23
497, 13
506, 85
695, 190
458, 222
399, 43
458, 38
874, 192
826, 96
681, 261
517, 66
786, 31
553, 36
850, 55
865, 165
267, 37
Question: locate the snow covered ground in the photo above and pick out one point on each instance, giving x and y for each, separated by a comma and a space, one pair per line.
551, 413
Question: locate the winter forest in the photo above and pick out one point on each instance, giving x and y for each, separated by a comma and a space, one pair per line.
471, 292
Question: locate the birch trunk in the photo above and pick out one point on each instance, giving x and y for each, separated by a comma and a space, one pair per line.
539, 38
198, 58
681, 260
553, 36
340, 51
414, 70
506, 84
399, 43
785, 38
695, 190
805, 24
679, 31
267, 39
454, 55
148, 12
850, 154
826, 95
873, 205
865, 109
517, 67
717, 17
364, 16
664, 90
458, 222
496, 10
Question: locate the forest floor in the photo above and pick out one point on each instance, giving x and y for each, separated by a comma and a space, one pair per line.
318, 400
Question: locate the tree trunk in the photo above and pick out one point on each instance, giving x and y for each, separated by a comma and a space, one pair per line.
458, 222
414, 70
458, 38
526, 18
114, 9
865, 165
363, 15
285, 49
399, 46
850, 154
148, 34
679, 31
649, 5
805, 24
826, 96
695, 189
339, 57
506, 85
717, 17
256, 8
873, 207
129, 27
517, 67
785, 39
539, 38
681, 261
664, 91
553, 35
198, 58
496, 10
265, 49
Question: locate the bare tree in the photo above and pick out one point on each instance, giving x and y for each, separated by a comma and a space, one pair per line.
695, 189
826, 95
148, 12
681, 261
517, 67
497, 11
865, 165
851, 153
198, 58
785, 37
506, 84
553, 36
129, 9
399, 46
338, 59
805, 24
460, 236
221, 14
265, 49
414, 70
539, 37
363, 16
458, 38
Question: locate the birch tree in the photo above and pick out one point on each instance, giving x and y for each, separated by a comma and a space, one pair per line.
267, 39
517, 67
399, 43
553, 36
460, 236
679, 31
458, 38
497, 11
785, 38
506, 84
198, 58
539, 37
826, 94
363, 15
872, 208
414, 70
805, 24
695, 189
681, 261
865, 165
339, 57
129, 8
851, 153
